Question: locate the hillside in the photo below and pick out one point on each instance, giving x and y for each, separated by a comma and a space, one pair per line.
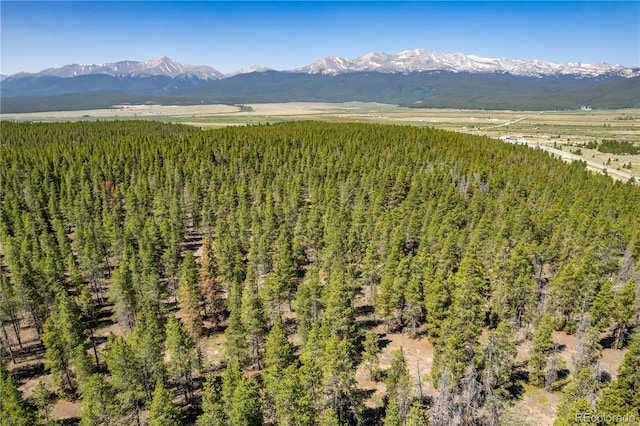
261, 275
418, 90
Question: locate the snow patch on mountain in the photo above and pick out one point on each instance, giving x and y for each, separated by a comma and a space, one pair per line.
161, 66
420, 60
249, 70
406, 61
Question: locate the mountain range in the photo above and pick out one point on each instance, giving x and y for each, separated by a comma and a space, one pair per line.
418, 78
420, 60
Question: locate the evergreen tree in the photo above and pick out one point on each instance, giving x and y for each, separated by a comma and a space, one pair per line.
515, 291
370, 268
417, 415
99, 405
282, 392
235, 347
65, 342
542, 347
498, 361
213, 408
278, 356
146, 341
82, 365
228, 253
603, 306
246, 404
387, 299
329, 417
413, 314
13, 410
583, 388
283, 280
574, 414
9, 308
338, 317
211, 285
437, 302
312, 369
232, 375
122, 294
181, 356
58, 357
566, 295
44, 400
371, 349
399, 388
392, 416
622, 395
308, 303
88, 309
254, 322
625, 313
163, 412
339, 378
499, 356
189, 270
292, 403
463, 327
125, 376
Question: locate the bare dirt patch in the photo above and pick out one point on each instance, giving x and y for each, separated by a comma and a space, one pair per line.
419, 356
64, 409
537, 407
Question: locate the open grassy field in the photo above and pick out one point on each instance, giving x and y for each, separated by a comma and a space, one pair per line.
563, 130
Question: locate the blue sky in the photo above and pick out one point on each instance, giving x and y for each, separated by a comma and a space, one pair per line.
285, 35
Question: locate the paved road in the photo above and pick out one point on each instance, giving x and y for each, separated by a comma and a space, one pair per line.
569, 156
595, 166
511, 122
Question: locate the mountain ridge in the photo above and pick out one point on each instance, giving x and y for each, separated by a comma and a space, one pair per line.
421, 60
415, 78
160, 66
412, 60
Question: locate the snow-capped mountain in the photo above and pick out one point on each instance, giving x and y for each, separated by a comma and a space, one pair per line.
161, 66
249, 70
406, 61
416, 78
418, 60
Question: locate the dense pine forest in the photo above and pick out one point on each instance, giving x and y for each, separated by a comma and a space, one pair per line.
132, 251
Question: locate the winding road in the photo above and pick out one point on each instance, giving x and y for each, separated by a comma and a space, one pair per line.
592, 165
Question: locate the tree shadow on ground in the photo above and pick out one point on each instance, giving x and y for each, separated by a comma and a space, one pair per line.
607, 342
372, 415
363, 310
367, 323
28, 371
383, 343
519, 376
